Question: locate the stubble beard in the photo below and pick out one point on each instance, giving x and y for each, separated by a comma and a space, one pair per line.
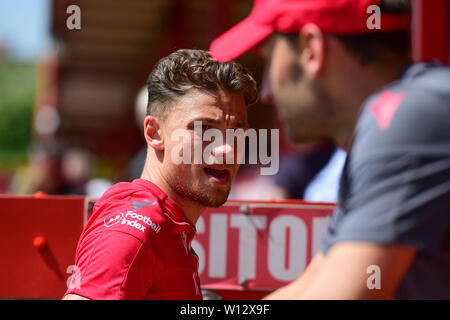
207, 195
307, 110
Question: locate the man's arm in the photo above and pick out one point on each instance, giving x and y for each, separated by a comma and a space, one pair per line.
113, 266
293, 289
350, 269
344, 273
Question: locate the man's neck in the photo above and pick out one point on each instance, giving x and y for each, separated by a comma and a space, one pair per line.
373, 77
191, 209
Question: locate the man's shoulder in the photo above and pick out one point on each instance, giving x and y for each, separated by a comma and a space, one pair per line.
133, 195
433, 77
429, 76
422, 86
128, 208
413, 111
118, 190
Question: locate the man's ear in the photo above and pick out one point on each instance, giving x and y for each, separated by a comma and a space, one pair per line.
313, 45
152, 133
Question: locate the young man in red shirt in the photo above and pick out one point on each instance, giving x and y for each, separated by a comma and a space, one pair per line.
137, 244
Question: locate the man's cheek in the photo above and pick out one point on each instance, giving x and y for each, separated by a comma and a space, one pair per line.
283, 60
180, 153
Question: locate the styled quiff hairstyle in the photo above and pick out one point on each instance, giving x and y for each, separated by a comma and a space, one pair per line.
185, 69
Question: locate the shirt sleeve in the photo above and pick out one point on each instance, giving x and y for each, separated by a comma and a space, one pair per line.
112, 265
396, 183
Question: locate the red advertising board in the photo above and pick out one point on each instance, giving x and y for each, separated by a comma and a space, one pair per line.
247, 249
38, 238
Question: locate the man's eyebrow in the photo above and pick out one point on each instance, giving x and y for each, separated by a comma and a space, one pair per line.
238, 123
209, 120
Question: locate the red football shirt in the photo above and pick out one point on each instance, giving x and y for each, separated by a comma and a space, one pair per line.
136, 245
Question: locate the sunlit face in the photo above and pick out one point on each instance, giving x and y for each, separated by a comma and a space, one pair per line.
207, 184
303, 105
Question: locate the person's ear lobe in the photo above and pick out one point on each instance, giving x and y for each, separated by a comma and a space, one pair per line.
152, 133
313, 46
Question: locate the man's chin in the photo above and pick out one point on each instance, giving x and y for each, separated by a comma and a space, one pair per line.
212, 196
216, 204
213, 201
301, 136
293, 136
206, 197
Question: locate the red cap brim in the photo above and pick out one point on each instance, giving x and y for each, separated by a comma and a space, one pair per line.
239, 39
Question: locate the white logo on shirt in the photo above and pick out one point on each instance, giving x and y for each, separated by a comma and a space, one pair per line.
128, 220
112, 221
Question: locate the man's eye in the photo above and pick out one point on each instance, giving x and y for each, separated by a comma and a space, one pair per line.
204, 127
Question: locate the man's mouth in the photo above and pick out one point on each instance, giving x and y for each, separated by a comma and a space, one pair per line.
217, 175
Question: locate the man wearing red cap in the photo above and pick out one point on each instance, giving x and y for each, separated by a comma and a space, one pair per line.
335, 74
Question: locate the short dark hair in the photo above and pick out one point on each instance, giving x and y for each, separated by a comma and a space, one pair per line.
371, 47
185, 69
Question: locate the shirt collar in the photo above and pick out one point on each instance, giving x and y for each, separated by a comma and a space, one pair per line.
172, 209
415, 69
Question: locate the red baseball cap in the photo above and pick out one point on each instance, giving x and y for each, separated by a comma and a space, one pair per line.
288, 16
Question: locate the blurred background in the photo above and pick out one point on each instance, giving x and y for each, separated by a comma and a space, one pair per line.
71, 95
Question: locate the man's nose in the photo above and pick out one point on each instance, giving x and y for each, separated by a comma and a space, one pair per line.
224, 151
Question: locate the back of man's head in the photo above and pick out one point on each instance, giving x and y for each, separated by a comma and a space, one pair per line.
326, 57
380, 46
347, 20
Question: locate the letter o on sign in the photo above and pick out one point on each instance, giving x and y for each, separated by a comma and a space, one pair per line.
277, 248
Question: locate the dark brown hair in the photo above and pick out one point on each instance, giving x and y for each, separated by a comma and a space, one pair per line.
185, 69
371, 47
